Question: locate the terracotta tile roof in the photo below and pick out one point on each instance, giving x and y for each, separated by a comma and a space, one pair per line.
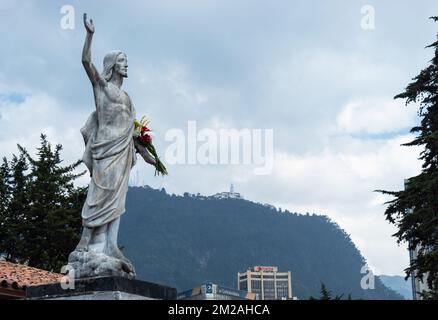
18, 276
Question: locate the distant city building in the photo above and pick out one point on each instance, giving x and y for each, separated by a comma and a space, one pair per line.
267, 282
418, 286
232, 194
211, 291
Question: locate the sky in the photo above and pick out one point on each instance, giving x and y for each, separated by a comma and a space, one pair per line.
308, 70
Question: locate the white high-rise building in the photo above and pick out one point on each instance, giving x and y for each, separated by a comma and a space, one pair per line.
267, 282
418, 286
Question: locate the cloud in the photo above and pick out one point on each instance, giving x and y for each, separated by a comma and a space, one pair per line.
375, 117
23, 120
339, 182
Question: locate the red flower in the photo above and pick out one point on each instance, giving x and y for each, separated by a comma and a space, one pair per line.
145, 138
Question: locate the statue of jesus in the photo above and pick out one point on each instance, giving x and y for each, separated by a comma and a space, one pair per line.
110, 153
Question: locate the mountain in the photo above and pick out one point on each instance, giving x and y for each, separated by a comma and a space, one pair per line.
398, 284
184, 241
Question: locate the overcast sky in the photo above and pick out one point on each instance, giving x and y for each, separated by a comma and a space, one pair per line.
306, 69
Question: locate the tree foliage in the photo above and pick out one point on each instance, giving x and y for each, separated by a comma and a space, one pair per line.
326, 294
40, 208
415, 210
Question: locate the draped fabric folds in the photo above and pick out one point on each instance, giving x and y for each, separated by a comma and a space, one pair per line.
109, 163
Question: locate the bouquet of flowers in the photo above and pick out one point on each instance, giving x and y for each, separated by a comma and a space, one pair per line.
143, 136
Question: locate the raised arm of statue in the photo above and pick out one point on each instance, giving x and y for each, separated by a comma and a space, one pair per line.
91, 70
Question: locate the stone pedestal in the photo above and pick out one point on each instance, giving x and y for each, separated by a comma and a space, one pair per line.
103, 288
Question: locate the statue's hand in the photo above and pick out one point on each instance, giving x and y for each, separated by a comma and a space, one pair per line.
147, 157
89, 26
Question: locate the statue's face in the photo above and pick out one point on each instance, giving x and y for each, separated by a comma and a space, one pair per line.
121, 66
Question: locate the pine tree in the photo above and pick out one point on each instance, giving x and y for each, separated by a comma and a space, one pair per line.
5, 197
414, 210
326, 294
13, 218
55, 208
42, 219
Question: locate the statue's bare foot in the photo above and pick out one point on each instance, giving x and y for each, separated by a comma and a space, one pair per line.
115, 252
82, 245
85, 240
128, 267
